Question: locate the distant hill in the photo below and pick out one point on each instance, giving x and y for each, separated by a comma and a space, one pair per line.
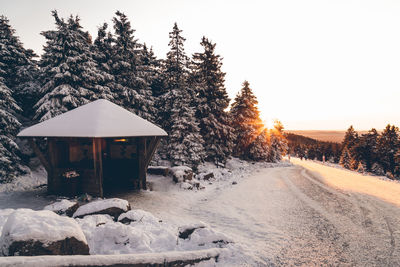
321, 135
327, 136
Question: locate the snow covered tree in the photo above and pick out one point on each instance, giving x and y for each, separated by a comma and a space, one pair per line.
350, 138
211, 102
10, 162
19, 68
184, 144
245, 120
346, 159
278, 143
132, 91
366, 148
102, 54
70, 77
387, 147
259, 149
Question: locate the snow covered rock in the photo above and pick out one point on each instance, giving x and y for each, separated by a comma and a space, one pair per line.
29, 233
138, 216
197, 235
186, 230
63, 207
181, 174
113, 207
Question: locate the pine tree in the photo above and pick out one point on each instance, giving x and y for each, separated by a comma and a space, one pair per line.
102, 54
19, 68
246, 121
259, 149
366, 148
387, 147
346, 159
211, 102
132, 90
278, 143
69, 74
10, 162
350, 138
184, 144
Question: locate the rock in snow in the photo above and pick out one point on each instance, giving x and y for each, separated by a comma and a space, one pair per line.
158, 170
181, 174
138, 216
113, 207
28, 233
63, 207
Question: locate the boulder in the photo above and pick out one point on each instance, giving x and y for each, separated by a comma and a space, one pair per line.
138, 216
158, 170
113, 207
181, 174
187, 230
63, 207
31, 233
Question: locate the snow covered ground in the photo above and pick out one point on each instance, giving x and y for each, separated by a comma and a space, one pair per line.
304, 214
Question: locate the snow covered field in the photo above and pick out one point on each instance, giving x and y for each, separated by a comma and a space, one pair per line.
303, 214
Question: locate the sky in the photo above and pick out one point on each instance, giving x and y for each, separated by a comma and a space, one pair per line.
314, 65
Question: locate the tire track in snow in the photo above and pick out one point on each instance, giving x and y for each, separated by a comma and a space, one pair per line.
374, 241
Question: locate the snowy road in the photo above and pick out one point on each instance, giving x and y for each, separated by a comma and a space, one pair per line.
308, 214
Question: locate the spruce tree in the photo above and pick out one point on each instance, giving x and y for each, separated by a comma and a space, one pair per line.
278, 143
132, 90
245, 120
350, 138
387, 147
260, 148
184, 144
102, 54
19, 69
10, 162
346, 159
366, 148
69, 75
211, 101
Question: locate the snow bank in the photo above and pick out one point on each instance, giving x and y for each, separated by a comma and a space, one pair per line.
101, 205
44, 226
117, 238
26, 182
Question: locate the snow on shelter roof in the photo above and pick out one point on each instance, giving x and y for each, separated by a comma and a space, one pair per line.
100, 118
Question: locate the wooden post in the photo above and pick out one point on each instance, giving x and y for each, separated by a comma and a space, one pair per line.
53, 181
152, 149
98, 165
141, 150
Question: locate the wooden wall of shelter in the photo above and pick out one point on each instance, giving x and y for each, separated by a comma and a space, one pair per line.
77, 165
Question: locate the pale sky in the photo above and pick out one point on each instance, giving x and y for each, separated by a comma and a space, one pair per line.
320, 65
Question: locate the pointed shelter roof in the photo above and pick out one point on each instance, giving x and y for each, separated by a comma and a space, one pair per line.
100, 118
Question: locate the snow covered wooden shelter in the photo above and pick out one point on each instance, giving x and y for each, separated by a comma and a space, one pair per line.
96, 148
